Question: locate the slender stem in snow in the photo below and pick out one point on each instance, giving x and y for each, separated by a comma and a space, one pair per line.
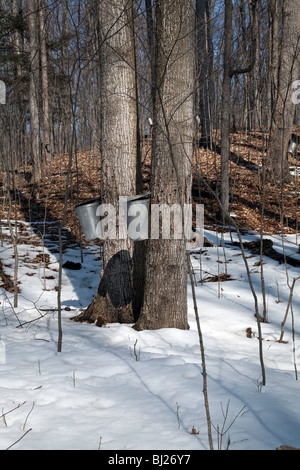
59, 346
204, 374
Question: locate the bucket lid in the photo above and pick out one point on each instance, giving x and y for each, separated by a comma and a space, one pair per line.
88, 202
139, 196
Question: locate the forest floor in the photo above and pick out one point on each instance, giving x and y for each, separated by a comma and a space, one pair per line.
255, 206
249, 197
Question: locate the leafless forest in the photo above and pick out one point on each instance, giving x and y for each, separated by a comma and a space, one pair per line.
194, 101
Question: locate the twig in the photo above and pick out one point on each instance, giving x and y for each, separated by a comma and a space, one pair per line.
204, 374
177, 413
232, 222
28, 416
35, 319
294, 343
13, 409
19, 439
137, 355
221, 433
60, 334
287, 308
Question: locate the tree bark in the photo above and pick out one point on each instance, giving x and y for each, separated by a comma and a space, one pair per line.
277, 166
16, 39
46, 155
225, 113
32, 8
165, 297
273, 51
228, 73
118, 147
150, 37
204, 69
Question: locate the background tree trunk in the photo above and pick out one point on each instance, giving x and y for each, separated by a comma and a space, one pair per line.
32, 7
165, 297
204, 70
277, 165
225, 113
228, 73
273, 51
46, 156
150, 37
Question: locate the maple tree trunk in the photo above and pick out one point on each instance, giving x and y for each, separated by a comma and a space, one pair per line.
165, 297
44, 86
226, 107
32, 7
204, 69
277, 165
113, 301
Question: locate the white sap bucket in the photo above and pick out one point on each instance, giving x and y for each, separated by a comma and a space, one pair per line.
138, 216
86, 212
292, 147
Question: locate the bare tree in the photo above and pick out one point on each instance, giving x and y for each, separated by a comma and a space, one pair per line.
118, 146
228, 73
165, 297
285, 70
44, 85
32, 9
204, 58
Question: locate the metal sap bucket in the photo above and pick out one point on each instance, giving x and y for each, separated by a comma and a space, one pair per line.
86, 212
292, 147
138, 216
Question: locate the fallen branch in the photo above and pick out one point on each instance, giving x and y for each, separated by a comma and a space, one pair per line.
268, 250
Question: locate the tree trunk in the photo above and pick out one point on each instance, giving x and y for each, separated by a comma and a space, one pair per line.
277, 166
16, 39
34, 89
46, 155
150, 37
228, 73
165, 297
66, 83
118, 147
254, 97
204, 69
273, 51
225, 113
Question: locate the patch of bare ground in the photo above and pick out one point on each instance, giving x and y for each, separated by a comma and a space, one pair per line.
249, 195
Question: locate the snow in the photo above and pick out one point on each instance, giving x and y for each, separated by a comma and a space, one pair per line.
113, 388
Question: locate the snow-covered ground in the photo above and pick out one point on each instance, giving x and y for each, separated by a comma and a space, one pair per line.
113, 388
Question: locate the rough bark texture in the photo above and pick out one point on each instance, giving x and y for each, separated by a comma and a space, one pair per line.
44, 84
34, 89
165, 297
113, 301
204, 69
277, 165
228, 73
226, 102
